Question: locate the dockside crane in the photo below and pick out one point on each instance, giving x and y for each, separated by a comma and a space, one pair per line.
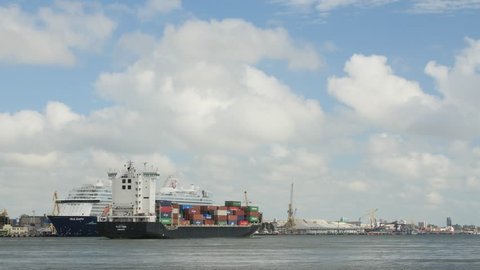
372, 218
290, 225
55, 212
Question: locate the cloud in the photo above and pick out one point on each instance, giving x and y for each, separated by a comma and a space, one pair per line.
21, 125
216, 41
211, 95
132, 46
434, 199
386, 100
324, 7
376, 93
53, 34
153, 7
459, 84
32, 161
58, 115
389, 153
357, 186
441, 6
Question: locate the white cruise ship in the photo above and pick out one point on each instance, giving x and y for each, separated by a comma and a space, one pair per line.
172, 191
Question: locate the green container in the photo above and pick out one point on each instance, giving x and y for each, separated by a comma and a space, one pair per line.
253, 219
221, 222
252, 208
166, 221
233, 203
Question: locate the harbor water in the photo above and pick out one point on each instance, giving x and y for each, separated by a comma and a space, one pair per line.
258, 252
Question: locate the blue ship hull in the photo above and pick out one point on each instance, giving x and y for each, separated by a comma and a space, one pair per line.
75, 226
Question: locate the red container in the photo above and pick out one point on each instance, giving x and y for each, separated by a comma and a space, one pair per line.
232, 218
253, 214
233, 208
197, 217
220, 218
222, 208
209, 222
239, 212
166, 209
243, 222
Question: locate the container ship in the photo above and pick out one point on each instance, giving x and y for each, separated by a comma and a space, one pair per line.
78, 214
136, 214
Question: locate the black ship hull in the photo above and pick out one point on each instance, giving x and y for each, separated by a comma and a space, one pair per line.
74, 226
156, 230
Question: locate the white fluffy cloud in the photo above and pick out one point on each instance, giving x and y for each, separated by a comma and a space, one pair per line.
375, 93
52, 34
21, 125
390, 154
459, 84
211, 95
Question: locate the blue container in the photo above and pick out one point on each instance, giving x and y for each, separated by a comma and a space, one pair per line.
207, 216
232, 223
185, 206
196, 222
240, 218
164, 203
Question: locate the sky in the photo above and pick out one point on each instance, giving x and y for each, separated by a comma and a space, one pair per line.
362, 104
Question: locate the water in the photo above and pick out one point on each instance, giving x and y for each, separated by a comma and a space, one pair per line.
269, 252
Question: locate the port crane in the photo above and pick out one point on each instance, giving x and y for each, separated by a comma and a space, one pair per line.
290, 225
55, 212
372, 218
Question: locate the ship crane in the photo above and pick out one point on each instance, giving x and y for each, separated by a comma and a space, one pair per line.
246, 199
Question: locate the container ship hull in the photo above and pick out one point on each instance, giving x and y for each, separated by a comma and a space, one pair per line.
156, 230
71, 226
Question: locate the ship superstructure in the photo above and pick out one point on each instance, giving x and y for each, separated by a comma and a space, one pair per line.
133, 195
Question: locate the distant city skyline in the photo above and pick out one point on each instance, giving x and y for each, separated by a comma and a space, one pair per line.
361, 104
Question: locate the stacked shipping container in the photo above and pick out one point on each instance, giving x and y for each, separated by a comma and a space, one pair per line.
231, 214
